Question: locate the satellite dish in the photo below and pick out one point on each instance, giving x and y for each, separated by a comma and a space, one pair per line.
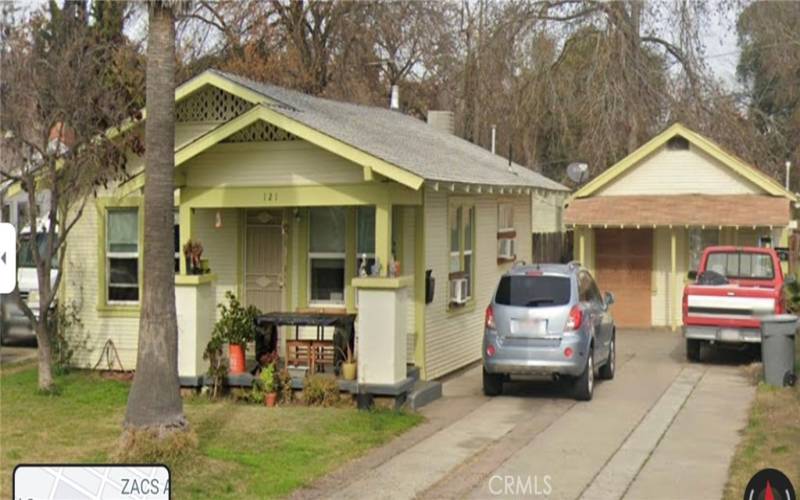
578, 172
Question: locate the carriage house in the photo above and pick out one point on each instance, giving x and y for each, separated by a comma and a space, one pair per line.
642, 225
288, 194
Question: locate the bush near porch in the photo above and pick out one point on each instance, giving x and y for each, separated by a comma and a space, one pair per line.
771, 437
245, 451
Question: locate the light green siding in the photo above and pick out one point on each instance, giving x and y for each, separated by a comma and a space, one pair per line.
279, 163
453, 339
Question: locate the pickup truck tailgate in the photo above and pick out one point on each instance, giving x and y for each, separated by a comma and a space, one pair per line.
716, 305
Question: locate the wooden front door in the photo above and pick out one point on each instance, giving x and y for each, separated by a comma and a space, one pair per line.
624, 263
264, 263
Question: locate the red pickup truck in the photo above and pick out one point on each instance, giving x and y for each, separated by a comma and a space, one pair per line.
733, 289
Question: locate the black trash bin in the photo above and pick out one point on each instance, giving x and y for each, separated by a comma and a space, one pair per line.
777, 349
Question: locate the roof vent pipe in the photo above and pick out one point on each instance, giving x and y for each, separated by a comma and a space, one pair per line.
494, 138
395, 102
788, 171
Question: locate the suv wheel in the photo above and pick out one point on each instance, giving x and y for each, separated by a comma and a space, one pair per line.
607, 370
693, 350
584, 384
492, 383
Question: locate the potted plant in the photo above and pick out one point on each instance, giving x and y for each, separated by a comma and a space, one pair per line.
268, 385
236, 326
193, 252
348, 364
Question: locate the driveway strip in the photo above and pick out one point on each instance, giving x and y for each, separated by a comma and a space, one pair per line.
616, 476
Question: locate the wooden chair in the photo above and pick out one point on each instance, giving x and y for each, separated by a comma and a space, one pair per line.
324, 354
300, 353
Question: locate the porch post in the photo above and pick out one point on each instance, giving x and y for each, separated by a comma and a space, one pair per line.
383, 235
582, 247
674, 287
186, 232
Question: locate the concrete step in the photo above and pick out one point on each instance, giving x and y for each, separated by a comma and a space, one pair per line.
424, 392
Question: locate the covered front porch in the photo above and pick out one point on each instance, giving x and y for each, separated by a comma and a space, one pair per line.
301, 249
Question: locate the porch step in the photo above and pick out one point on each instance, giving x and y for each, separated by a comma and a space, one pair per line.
423, 393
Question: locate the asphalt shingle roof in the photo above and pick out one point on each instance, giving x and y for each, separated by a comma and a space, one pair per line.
399, 139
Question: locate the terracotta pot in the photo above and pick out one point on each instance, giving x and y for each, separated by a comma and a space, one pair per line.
270, 399
349, 371
236, 355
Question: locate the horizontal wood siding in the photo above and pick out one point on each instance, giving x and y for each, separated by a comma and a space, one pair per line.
280, 163
453, 339
668, 172
220, 247
80, 294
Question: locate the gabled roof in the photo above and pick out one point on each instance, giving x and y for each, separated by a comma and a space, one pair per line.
384, 138
752, 174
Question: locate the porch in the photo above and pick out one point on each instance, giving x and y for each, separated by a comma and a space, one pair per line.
302, 249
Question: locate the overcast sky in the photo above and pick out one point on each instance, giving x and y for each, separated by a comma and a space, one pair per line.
719, 39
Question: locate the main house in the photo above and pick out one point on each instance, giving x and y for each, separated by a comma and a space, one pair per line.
641, 225
288, 193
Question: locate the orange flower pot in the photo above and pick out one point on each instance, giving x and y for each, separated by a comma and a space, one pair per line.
236, 359
270, 399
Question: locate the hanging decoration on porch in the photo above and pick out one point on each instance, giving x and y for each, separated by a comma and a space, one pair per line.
218, 220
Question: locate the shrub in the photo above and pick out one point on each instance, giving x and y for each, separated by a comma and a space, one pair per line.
236, 323
320, 390
286, 393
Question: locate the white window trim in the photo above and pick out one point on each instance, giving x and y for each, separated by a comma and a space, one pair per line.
503, 229
326, 255
120, 255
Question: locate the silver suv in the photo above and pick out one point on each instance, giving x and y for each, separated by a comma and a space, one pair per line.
548, 319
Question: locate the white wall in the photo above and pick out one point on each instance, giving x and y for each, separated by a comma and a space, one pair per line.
679, 172
453, 339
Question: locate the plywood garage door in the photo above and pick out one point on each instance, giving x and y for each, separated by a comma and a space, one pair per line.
624, 262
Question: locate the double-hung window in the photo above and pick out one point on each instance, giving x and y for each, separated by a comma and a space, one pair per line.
326, 255
122, 255
462, 242
176, 239
365, 238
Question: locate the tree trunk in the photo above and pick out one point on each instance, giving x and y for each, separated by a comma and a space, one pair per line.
44, 354
154, 401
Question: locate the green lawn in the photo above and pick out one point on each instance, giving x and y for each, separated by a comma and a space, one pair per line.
245, 451
771, 438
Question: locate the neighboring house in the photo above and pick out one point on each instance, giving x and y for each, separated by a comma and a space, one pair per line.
287, 193
641, 225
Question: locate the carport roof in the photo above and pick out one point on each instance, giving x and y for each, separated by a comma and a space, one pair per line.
679, 210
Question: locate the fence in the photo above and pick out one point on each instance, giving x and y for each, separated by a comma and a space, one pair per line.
552, 247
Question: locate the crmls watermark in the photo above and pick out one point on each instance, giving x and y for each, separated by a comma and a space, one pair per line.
520, 486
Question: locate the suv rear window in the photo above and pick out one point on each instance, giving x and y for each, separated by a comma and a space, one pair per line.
741, 265
533, 291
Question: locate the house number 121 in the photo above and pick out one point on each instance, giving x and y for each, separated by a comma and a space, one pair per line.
270, 196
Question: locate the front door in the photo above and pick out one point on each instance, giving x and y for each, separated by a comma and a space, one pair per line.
263, 261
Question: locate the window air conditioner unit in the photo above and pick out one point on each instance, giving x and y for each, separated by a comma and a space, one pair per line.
507, 248
458, 291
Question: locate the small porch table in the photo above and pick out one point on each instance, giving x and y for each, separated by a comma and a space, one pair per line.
317, 351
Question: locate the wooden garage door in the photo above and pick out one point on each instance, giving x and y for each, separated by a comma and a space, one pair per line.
624, 263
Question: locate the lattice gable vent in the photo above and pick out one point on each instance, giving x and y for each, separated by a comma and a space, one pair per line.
210, 104
261, 131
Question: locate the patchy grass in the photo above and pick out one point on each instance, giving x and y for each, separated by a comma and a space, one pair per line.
771, 438
245, 451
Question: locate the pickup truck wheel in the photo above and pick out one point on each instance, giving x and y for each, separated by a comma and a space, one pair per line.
492, 383
607, 370
584, 384
693, 350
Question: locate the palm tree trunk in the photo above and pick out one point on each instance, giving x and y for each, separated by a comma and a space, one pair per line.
154, 400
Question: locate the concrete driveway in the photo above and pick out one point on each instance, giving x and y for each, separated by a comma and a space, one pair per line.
20, 346
661, 429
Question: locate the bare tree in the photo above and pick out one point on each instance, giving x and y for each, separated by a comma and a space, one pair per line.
58, 96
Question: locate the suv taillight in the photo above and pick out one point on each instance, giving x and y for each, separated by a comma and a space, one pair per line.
489, 318
575, 318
